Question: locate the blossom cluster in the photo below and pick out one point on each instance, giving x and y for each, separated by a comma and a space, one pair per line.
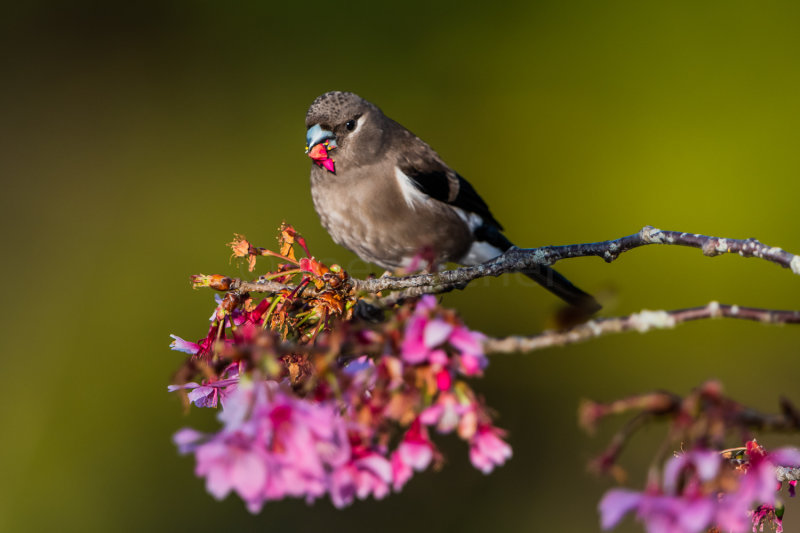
323, 392
315, 402
702, 490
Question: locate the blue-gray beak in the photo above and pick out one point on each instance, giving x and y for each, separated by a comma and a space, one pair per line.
316, 135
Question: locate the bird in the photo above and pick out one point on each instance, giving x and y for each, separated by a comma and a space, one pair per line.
386, 195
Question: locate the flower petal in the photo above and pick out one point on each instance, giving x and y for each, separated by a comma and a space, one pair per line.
615, 504
785, 457
184, 346
436, 332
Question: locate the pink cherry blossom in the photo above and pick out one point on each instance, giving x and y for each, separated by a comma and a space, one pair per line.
272, 445
413, 348
204, 396
187, 440
424, 337
444, 380
230, 466
660, 513
616, 503
436, 332
426, 303
444, 414
683, 503
368, 475
470, 347
756, 487
332, 434
414, 452
705, 463
181, 345
401, 471
213, 390
487, 450
765, 514
199, 348
678, 505
785, 457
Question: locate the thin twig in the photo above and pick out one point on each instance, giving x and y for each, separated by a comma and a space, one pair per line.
642, 322
607, 461
261, 285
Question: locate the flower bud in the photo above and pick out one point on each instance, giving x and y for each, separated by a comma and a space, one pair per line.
215, 281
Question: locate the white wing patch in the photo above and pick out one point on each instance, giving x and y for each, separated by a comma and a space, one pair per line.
473, 220
411, 194
480, 252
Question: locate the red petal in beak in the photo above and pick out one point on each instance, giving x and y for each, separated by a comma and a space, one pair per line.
328, 164
318, 152
320, 156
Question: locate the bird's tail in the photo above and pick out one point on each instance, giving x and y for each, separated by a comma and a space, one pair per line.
543, 275
563, 288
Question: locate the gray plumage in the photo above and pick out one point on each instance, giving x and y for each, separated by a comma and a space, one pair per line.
391, 196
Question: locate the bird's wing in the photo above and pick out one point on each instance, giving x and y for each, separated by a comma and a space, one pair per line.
433, 177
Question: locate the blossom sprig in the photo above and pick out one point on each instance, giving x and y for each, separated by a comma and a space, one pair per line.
705, 415
706, 488
315, 402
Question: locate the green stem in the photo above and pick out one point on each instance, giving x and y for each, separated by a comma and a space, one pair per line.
270, 310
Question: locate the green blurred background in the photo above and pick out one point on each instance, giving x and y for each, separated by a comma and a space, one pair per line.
136, 138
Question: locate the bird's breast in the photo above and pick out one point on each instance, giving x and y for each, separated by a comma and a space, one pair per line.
370, 213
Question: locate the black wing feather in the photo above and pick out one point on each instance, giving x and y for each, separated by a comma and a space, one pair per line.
438, 183
433, 177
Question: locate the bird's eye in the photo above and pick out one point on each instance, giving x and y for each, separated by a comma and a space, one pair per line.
350, 125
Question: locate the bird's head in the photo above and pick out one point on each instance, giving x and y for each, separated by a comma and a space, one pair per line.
340, 121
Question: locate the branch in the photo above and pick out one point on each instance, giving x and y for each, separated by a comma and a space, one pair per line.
642, 322
526, 259
522, 259
261, 285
